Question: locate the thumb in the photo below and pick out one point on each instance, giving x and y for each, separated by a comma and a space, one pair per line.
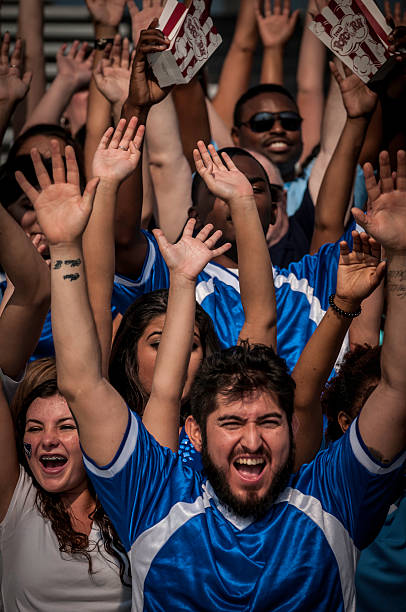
89, 193
161, 240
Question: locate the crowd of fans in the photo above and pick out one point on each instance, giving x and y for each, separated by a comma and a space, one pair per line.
203, 324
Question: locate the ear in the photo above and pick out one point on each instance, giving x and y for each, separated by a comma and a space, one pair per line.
194, 434
344, 420
235, 135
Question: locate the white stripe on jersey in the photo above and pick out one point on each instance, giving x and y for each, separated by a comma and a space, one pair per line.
336, 535
150, 542
366, 461
123, 455
148, 265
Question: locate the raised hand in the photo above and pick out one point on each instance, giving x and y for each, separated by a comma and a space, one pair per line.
190, 255
106, 12
62, 211
224, 181
276, 26
74, 67
118, 154
358, 99
140, 19
398, 17
359, 271
385, 219
13, 87
112, 75
144, 88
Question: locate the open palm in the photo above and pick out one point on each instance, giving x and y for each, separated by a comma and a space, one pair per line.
107, 12
225, 182
118, 154
358, 99
190, 255
361, 270
62, 211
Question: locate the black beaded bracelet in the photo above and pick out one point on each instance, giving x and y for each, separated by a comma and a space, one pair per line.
340, 311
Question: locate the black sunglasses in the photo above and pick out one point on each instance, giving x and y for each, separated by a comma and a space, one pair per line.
264, 121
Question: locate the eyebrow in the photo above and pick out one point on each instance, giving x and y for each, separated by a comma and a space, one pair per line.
154, 333
69, 418
236, 417
256, 179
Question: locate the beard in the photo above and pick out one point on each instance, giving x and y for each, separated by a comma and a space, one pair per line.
253, 505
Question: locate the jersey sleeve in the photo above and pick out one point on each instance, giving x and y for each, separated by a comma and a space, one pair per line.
154, 275
137, 487
354, 488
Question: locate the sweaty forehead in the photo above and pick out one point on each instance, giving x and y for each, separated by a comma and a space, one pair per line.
249, 166
272, 102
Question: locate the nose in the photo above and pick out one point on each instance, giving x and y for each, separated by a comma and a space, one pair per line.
251, 438
277, 126
49, 440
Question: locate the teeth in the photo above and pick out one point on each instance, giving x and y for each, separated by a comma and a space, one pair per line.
250, 461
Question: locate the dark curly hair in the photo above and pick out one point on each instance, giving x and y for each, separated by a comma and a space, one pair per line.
51, 505
239, 371
123, 368
348, 391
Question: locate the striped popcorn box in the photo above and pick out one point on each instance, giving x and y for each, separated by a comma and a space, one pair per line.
356, 32
193, 39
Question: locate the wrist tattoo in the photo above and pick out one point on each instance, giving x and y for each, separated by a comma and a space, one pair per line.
71, 277
397, 282
72, 263
58, 264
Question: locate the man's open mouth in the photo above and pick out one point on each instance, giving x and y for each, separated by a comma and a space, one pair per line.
249, 467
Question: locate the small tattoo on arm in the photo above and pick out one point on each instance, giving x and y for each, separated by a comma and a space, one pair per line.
58, 264
73, 263
71, 277
397, 282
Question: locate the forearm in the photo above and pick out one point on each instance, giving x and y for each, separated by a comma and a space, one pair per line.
255, 275
236, 72
169, 169
335, 191
30, 29
98, 251
365, 329
52, 104
6, 111
161, 416
272, 65
98, 107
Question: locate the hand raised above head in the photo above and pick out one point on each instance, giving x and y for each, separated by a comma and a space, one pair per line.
189, 255
385, 219
358, 99
224, 181
62, 211
106, 12
119, 151
13, 86
140, 19
277, 24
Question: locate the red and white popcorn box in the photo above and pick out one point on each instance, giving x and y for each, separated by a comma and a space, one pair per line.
356, 32
193, 39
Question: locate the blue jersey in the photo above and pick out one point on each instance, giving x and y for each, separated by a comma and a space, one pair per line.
302, 291
190, 552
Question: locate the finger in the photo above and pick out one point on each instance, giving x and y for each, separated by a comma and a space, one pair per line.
118, 133
132, 7
277, 7
211, 240
115, 54
17, 53
386, 8
229, 162
335, 72
370, 183
5, 46
31, 193
72, 170
267, 8
401, 171
103, 144
356, 242
286, 7
216, 158
73, 49
160, 237
197, 158
375, 248
365, 243
385, 172
90, 59
125, 53
189, 227
129, 133
344, 250
80, 56
42, 175
221, 250
58, 167
205, 232
397, 13
380, 272
205, 155
88, 194
27, 77
360, 218
138, 138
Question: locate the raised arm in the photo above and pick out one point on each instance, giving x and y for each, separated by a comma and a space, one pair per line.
8, 456
255, 268
310, 83
359, 273
13, 86
382, 422
236, 72
185, 260
63, 214
74, 72
276, 26
335, 190
115, 159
